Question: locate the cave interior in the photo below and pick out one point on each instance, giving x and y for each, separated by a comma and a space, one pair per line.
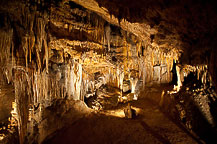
108, 71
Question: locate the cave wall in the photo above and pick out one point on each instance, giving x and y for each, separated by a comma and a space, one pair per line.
213, 65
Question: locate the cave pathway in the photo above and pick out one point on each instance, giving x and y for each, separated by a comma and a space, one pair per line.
152, 125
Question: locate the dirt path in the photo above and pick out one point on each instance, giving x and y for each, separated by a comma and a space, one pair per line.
151, 126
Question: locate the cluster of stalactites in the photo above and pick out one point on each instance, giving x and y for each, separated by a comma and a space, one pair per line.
6, 58
35, 90
33, 40
201, 72
63, 81
153, 67
156, 66
203, 75
37, 45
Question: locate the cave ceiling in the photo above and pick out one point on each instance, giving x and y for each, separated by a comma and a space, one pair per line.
114, 31
163, 23
184, 25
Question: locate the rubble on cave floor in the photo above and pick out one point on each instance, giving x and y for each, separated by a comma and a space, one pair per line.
107, 97
196, 104
8, 133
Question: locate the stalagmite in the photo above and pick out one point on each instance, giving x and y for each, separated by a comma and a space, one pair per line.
162, 98
71, 83
179, 83
78, 83
157, 74
121, 79
144, 75
133, 82
22, 93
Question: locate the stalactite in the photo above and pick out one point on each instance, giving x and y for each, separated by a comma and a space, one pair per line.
46, 56
41, 40
108, 35
31, 45
38, 57
25, 49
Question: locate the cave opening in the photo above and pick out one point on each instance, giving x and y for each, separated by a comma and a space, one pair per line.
99, 71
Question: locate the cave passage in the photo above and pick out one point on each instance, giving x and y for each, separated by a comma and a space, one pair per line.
100, 71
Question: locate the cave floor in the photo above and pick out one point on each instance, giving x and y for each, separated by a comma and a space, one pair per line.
152, 125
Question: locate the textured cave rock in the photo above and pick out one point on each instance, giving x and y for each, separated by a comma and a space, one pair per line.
64, 52
186, 25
